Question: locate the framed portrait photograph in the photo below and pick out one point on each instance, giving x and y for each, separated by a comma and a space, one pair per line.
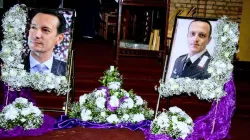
49, 41
191, 48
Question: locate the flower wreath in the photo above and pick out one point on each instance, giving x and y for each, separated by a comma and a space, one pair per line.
13, 73
220, 67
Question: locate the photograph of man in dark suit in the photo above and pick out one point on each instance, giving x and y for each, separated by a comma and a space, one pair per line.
46, 31
194, 64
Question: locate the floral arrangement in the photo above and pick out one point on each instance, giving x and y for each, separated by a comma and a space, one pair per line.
110, 103
21, 113
220, 67
175, 123
13, 73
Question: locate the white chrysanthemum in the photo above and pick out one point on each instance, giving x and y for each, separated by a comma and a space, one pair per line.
86, 115
128, 103
100, 93
175, 109
114, 101
112, 118
11, 113
137, 118
21, 100
36, 110
139, 100
114, 85
26, 111
83, 98
100, 102
125, 117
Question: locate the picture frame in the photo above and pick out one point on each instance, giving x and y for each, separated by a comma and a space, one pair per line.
179, 45
15, 76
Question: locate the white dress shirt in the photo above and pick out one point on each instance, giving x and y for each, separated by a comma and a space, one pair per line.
34, 63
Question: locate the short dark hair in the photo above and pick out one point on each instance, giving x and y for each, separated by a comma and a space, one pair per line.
61, 28
203, 20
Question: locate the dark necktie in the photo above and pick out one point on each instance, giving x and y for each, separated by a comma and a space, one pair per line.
187, 63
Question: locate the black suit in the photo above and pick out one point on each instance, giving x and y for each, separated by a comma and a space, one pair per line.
193, 71
58, 67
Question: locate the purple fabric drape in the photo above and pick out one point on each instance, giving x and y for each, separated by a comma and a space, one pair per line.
48, 125
10, 96
66, 122
220, 115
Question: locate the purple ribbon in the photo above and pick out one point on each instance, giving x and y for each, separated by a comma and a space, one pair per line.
221, 113
48, 125
106, 88
116, 107
65, 122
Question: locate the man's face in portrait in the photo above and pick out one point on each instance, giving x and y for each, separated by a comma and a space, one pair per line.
43, 35
198, 37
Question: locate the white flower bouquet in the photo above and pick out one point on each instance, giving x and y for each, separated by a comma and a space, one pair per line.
175, 123
21, 113
110, 103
